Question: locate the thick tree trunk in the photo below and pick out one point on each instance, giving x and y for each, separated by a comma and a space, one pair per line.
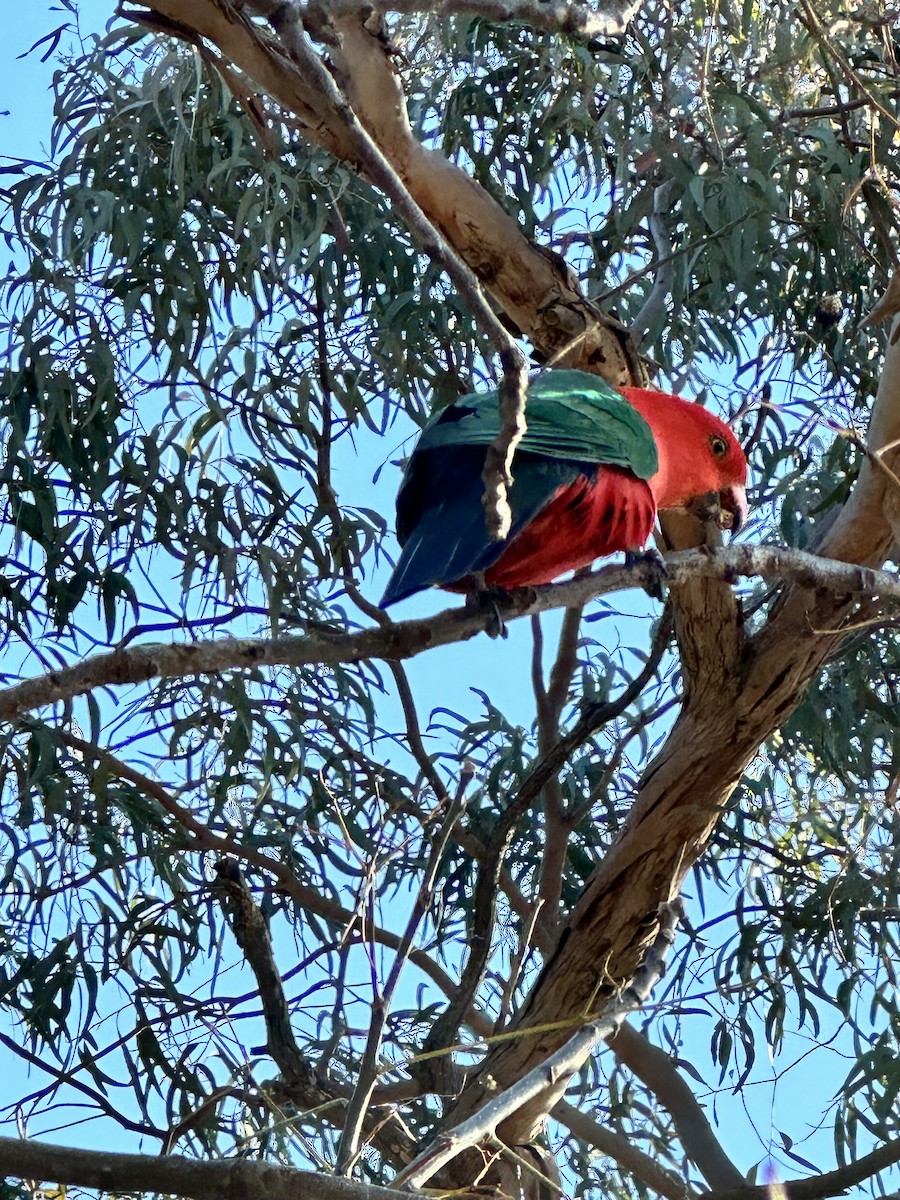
532, 287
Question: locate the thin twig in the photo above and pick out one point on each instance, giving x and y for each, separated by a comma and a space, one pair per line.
285, 20
593, 718
66, 1078
658, 1072
655, 304
530, 1161
827, 110
198, 837
622, 1151
818, 31
298, 1076
368, 1069
522, 954
338, 1020
414, 734
556, 829
611, 767
444, 1030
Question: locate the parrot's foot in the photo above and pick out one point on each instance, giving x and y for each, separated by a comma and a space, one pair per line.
487, 598
657, 575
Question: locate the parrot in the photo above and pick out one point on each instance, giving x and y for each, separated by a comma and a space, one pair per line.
589, 476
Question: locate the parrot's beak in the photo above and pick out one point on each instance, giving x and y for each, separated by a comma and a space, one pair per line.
733, 501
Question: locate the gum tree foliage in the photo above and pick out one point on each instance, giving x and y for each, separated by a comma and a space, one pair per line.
218, 341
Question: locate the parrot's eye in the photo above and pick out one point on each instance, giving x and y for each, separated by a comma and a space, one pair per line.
718, 445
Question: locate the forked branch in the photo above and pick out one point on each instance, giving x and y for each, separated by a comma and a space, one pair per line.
550, 1077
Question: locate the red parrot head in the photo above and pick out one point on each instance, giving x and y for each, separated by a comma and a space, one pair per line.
698, 454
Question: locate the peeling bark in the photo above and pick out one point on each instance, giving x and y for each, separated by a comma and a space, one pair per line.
532, 287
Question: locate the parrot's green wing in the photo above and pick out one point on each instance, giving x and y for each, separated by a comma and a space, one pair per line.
570, 415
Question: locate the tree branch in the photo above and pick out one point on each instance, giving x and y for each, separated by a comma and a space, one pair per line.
374, 164
550, 703
245, 1179
406, 639
251, 932
199, 838
737, 690
299, 1081
830, 1183
228, 1179
655, 304
621, 1150
533, 288
443, 1032
358, 1106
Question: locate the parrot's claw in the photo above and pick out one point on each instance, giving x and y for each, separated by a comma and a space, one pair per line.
487, 598
657, 575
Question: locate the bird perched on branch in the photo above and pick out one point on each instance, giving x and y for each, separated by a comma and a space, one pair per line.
589, 476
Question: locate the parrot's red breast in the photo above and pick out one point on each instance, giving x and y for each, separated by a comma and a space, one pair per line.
584, 520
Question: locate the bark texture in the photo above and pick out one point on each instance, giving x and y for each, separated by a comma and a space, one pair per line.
738, 691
